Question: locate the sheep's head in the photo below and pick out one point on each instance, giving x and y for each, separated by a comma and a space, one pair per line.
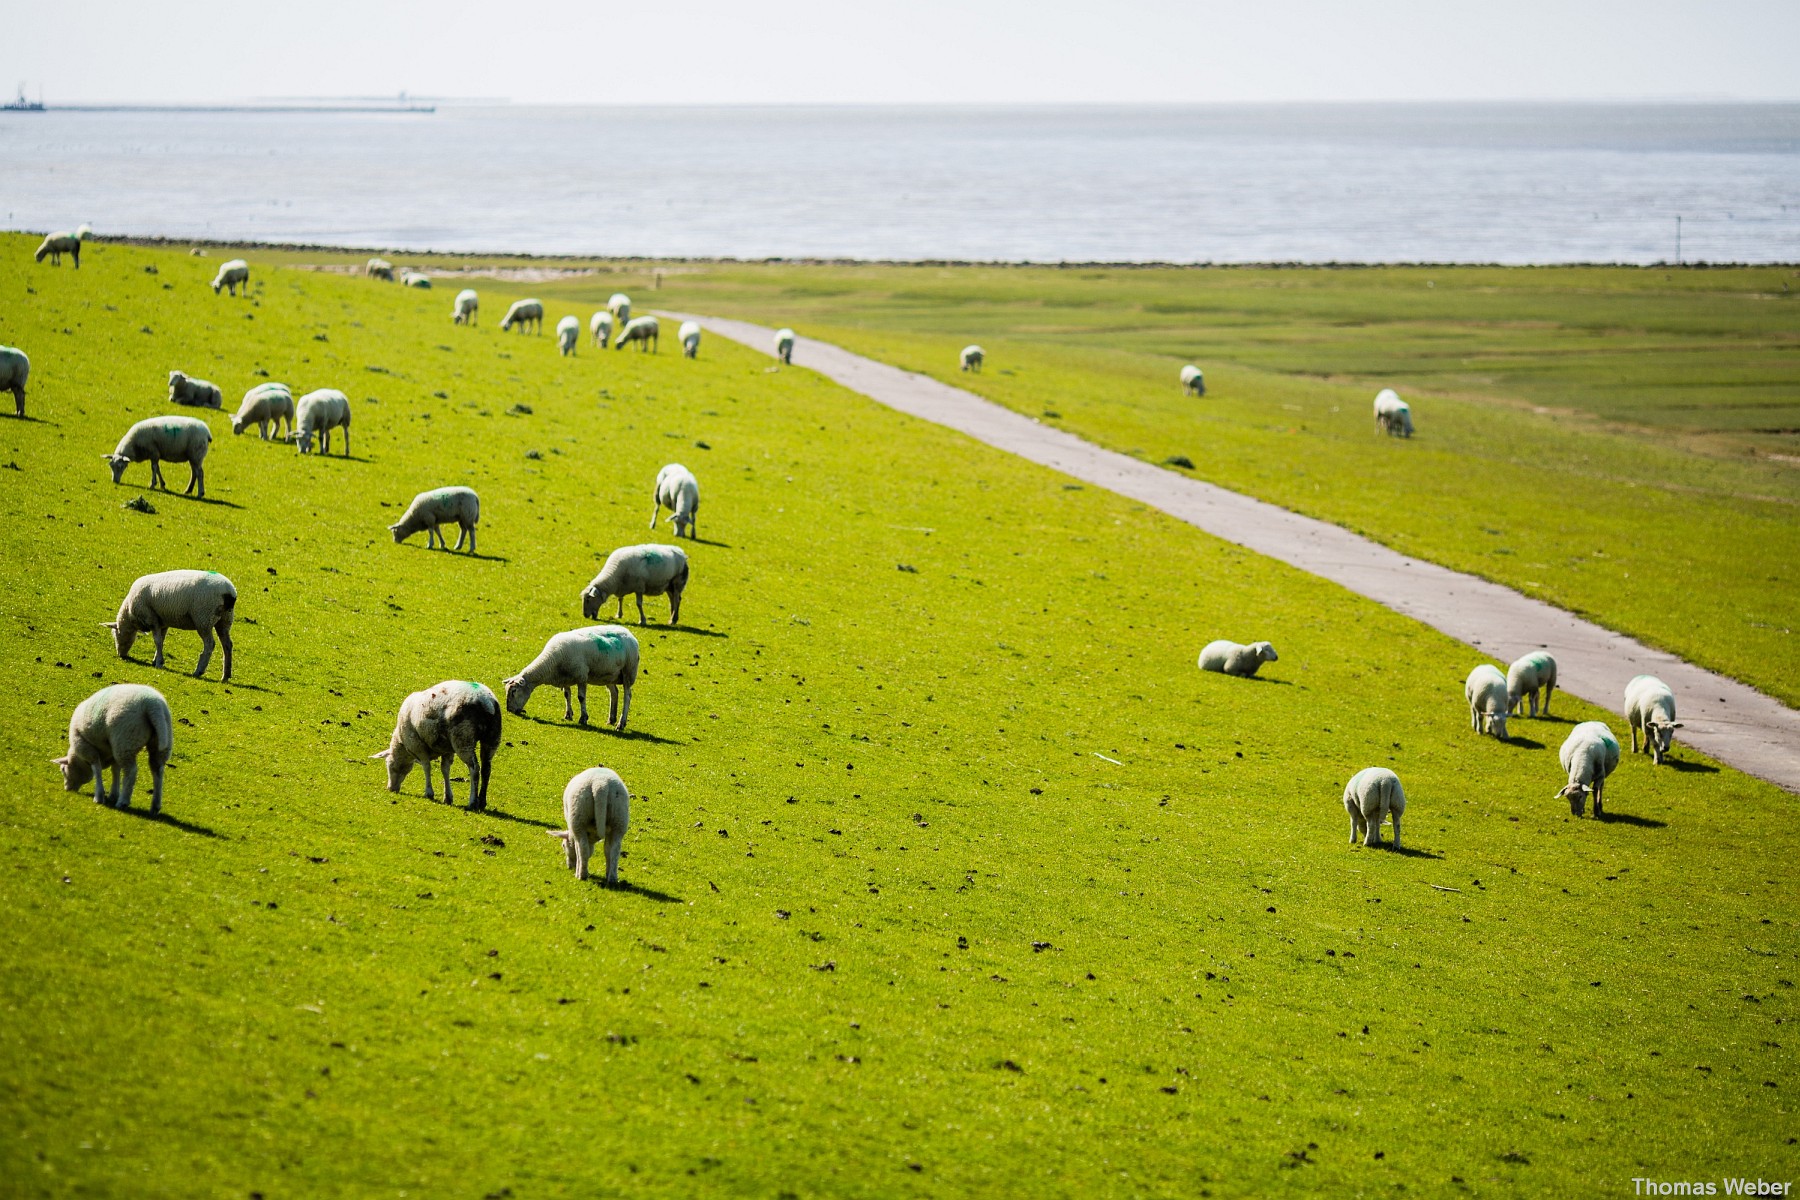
517, 693
1265, 652
1577, 794
176, 379
399, 766
568, 845
1496, 724
302, 439
238, 424
118, 463
1660, 735
398, 531
217, 284
124, 636
75, 772
591, 600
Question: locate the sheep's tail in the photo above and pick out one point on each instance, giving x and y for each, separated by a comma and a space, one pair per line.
162, 732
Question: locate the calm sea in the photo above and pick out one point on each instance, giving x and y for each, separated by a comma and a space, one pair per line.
1308, 183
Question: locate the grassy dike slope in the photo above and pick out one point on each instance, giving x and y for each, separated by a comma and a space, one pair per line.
298, 984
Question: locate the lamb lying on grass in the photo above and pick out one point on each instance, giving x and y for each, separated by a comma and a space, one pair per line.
440, 506
1650, 707
264, 404
174, 439
316, 415
689, 336
600, 326
195, 393
108, 729
230, 275
415, 279
468, 303
57, 244
15, 369
643, 330
455, 719
971, 359
596, 809
679, 491
204, 601
1485, 690
1371, 794
599, 654
1589, 755
525, 314
568, 331
1392, 414
1192, 381
784, 345
648, 570
1232, 659
1525, 678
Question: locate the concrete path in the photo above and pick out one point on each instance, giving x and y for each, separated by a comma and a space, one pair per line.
1723, 718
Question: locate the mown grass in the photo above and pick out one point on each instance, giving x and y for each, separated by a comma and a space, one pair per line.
1177, 978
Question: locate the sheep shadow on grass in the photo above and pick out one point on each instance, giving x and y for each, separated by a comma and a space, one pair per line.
1410, 851
631, 735
1617, 818
634, 889
163, 818
1689, 766
506, 816
411, 545
693, 629
1523, 743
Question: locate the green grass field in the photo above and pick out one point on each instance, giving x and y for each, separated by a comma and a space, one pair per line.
957, 879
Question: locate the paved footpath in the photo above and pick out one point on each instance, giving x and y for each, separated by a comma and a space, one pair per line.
1729, 721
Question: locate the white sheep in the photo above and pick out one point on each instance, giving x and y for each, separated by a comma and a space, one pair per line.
175, 439
1589, 755
1393, 416
415, 279
648, 570
455, 719
440, 506
1485, 690
568, 330
1650, 707
1371, 794
109, 729
679, 492
1192, 381
642, 330
57, 244
620, 308
379, 268
599, 654
971, 359
597, 810
204, 601
195, 393
1232, 659
1525, 678
264, 404
784, 345
468, 303
15, 369
600, 325
689, 335
316, 414
230, 275
524, 314
84, 231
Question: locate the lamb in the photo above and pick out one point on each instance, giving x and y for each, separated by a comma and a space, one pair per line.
1525, 678
1233, 659
642, 330
230, 275
414, 279
204, 601
108, 729
379, 268
1485, 690
455, 719
648, 570
600, 325
468, 302
599, 654
440, 507
1589, 755
1192, 381
524, 313
264, 404
177, 439
971, 359
1392, 414
596, 808
195, 393
1371, 794
679, 491
57, 244
316, 415
620, 308
567, 331
784, 345
689, 335
1650, 707
15, 369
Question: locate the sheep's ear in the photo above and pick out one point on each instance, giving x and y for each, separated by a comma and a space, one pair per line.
558, 833
383, 754
61, 762
109, 624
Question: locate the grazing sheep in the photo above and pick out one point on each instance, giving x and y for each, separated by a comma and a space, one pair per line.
15, 369
1589, 755
689, 335
1650, 707
108, 729
648, 570
620, 308
1371, 794
596, 809
379, 268
642, 330
600, 325
1192, 381
1485, 689
455, 719
524, 314
467, 304
784, 345
679, 492
316, 415
204, 601
195, 393
230, 275
971, 359
1392, 414
1232, 659
599, 654
1525, 678
177, 439
415, 279
440, 507
567, 331
263, 404
57, 244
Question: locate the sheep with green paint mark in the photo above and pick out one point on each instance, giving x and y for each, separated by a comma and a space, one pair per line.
415, 279
596, 811
440, 506
1650, 709
568, 332
1372, 794
160, 439
784, 345
1393, 416
679, 491
600, 325
1231, 658
689, 336
316, 415
204, 601
15, 369
57, 244
455, 719
1525, 678
468, 303
1589, 754
599, 654
110, 729
231, 274
1485, 690
265, 404
648, 570
195, 393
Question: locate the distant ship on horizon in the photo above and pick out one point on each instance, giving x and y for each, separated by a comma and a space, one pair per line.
24, 103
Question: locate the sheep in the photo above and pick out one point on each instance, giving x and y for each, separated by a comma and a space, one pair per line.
1589, 755
596, 809
83, 232
414, 279
468, 303
264, 404
1485, 690
15, 369
1650, 707
1392, 414
1371, 794
524, 313
644, 570
620, 308
379, 268
230, 275
1192, 381
1525, 678
599, 654
679, 491
195, 393
971, 359
454, 719
689, 336
784, 345
600, 325
57, 244
177, 439
567, 331
1233, 659
440, 506
204, 601
317, 414
108, 729
642, 330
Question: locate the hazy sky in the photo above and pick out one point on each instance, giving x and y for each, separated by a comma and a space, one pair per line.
846, 51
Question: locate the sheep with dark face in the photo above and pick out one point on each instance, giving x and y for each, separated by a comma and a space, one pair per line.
596, 811
648, 570
15, 369
1192, 381
971, 359
160, 439
600, 654
109, 729
455, 719
231, 275
1393, 416
1650, 710
204, 601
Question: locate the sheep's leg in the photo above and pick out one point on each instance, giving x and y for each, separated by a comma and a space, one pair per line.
156, 479
1548, 688
1474, 718
620, 615
444, 764
471, 539
1599, 808
157, 634
1355, 827
429, 794
206, 649
124, 780
196, 480
568, 709
642, 619
625, 709
1634, 737
583, 845
581, 691
100, 796
225, 640
615, 837
612, 710
156, 781
1395, 817
1372, 828
674, 608
655, 511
